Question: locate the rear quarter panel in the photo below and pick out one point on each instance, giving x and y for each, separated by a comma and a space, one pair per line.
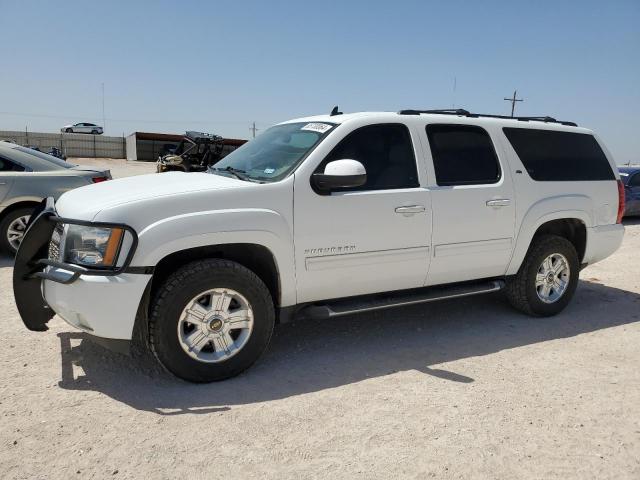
592, 202
34, 186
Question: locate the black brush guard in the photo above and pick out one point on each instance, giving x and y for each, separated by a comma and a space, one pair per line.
32, 260
33, 309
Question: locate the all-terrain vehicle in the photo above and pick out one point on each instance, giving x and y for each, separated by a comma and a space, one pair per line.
196, 152
323, 217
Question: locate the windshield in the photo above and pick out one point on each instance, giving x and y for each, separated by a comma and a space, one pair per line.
275, 153
49, 158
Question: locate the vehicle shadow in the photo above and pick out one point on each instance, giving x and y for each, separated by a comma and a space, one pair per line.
628, 221
309, 356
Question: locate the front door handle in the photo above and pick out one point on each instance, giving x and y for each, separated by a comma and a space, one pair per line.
498, 202
410, 209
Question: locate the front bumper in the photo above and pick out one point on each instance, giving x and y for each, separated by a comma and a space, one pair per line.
102, 303
104, 306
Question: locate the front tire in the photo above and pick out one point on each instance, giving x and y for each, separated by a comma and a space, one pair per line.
12, 229
210, 320
547, 278
69, 130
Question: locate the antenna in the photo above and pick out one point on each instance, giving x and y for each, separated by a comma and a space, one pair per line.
335, 112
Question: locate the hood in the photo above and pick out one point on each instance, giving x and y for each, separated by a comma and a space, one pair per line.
85, 203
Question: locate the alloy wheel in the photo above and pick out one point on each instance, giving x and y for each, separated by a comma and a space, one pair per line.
16, 231
552, 278
215, 325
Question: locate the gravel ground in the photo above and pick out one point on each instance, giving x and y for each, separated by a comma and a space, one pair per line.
457, 389
119, 167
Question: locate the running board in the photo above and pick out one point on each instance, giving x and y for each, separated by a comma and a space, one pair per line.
348, 306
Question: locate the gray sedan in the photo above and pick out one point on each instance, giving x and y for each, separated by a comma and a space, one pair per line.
28, 176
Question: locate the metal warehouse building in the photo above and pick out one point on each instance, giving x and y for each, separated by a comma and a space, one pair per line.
147, 146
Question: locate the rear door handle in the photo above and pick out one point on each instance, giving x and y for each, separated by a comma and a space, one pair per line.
498, 202
410, 209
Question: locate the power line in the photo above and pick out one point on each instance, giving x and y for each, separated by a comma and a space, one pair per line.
132, 120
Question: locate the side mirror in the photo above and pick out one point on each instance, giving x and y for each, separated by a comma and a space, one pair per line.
340, 174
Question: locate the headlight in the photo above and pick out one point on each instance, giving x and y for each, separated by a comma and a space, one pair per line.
91, 246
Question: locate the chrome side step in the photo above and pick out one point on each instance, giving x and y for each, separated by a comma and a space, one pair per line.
348, 306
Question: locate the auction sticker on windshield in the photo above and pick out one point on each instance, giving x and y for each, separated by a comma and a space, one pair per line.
317, 127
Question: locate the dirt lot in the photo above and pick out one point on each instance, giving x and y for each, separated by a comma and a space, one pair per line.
458, 389
119, 168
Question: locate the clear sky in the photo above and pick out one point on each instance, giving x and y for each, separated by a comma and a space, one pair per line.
218, 66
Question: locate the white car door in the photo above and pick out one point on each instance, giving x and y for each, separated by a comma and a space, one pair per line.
473, 204
373, 238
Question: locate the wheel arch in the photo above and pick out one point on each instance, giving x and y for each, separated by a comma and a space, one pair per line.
570, 224
257, 258
19, 204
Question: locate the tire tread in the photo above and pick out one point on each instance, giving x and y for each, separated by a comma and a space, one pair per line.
176, 280
516, 287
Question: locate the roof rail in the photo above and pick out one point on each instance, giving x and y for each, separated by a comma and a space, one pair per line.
465, 113
445, 111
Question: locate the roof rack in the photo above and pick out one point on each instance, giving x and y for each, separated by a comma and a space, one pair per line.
465, 113
445, 111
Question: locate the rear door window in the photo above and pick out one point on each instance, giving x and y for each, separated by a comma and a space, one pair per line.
553, 156
462, 155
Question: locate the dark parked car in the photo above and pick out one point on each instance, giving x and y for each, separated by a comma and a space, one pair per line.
630, 177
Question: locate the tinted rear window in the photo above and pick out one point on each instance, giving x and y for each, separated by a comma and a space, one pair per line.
50, 162
7, 165
551, 156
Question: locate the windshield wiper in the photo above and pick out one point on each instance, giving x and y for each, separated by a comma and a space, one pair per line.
236, 172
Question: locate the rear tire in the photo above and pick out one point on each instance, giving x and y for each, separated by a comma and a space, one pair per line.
547, 278
211, 345
14, 223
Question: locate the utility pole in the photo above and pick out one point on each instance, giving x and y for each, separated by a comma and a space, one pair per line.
253, 129
104, 123
513, 101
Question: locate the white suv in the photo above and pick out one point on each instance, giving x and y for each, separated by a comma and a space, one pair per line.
320, 217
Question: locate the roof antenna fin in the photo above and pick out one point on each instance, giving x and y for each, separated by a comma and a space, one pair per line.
335, 111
